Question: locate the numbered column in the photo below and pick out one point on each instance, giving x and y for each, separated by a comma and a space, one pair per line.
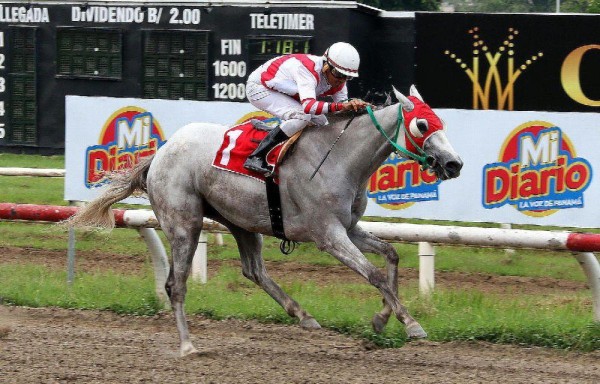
21, 88
176, 65
3, 126
230, 74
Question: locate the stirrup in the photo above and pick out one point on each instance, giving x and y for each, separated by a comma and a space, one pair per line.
256, 164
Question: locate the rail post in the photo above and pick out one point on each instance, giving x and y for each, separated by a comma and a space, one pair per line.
589, 264
71, 247
160, 263
426, 268
508, 251
71, 257
199, 262
219, 239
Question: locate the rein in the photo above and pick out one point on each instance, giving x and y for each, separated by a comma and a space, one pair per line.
421, 158
332, 145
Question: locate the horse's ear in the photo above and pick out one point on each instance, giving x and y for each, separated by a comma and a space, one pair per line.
388, 100
407, 105
415, 93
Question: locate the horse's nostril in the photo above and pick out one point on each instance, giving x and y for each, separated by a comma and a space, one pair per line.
453, 167
431, 160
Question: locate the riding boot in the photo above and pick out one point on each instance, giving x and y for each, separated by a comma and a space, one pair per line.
257, 161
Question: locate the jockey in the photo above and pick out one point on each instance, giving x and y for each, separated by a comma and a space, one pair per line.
288, 87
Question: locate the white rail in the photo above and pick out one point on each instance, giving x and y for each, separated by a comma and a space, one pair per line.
36, 172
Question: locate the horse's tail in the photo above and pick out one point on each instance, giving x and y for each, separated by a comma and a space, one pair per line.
98, 212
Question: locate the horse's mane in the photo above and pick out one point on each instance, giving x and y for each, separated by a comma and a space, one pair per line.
343, 116
373, 97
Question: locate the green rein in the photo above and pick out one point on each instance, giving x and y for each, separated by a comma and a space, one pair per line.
421, 158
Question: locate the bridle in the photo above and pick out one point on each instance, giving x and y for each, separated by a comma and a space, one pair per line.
420, 158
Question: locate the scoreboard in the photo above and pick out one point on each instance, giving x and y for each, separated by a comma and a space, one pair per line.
188, 50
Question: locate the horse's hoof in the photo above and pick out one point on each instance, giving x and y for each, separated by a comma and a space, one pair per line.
415, 331
310, 323
379, 323
187, 349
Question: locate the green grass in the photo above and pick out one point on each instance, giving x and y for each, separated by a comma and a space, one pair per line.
448, 315
347, 308
38, 286
32, 190
31, 161
27, 190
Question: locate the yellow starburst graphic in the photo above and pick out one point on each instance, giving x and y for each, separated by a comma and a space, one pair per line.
484, 58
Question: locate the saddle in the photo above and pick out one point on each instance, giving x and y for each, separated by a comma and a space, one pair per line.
240, 141
262, 125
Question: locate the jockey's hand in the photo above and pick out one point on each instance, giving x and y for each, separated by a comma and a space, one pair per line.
355, 105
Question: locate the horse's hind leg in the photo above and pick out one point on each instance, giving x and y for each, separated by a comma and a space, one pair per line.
182, 226
250, 246
369, 243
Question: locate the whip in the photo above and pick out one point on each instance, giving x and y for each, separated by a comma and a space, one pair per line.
332, 145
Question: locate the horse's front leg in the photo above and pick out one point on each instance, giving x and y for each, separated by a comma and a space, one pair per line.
369, 243
335, 241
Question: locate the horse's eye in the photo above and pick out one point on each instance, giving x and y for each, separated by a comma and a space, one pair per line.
418, 127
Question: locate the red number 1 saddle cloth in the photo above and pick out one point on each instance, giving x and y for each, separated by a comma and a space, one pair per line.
238, 143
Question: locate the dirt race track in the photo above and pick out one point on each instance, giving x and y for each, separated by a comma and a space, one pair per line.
58, 346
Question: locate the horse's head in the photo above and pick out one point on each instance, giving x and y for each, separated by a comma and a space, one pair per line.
425, 136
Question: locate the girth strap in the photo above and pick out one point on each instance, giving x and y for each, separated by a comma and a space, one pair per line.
287, 246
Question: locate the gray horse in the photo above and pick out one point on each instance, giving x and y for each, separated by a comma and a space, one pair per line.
183, 188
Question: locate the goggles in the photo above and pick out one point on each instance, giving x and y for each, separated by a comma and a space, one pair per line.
338, 75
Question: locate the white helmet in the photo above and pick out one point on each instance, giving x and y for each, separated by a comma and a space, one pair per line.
344, 58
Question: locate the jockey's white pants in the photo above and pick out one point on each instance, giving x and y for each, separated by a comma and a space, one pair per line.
280, 105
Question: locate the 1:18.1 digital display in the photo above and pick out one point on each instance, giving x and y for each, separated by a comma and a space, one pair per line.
264, 48
271, 46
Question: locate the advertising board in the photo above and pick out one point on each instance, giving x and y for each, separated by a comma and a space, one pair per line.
105, 134
520, 167
526, 62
